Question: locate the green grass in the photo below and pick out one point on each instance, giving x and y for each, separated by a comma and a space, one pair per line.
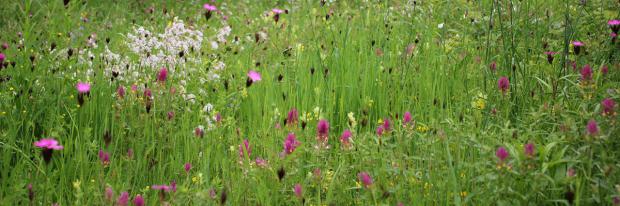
356, 61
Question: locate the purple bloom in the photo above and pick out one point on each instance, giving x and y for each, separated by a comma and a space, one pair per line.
493, 66
608, 105
380, 130
406, 118
48, 143
209, 7
322, 131
104, 157
604, 70
162, 75
387, 125
290, 143
187, 167
365, 178
298, 191
592, 127
123, 199
248, 149
345, 138
254, 76
82, 87
199, 131
501, 154
138, 200
529, 149
2, 57
163, 188
120, 91
503, 84
277, 11
586, 73
260, 162
293, 117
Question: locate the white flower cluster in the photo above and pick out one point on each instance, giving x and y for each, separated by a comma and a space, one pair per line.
168, 48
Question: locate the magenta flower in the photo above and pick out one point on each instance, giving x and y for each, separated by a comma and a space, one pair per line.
365, 178
120, 92
209, 7
380, 130
138, 200
290, 144
614, 25
503, 84
501, 154
82, 87
48, 145
592, 127
493, 66
529, 149
218, 117
162, 75
134, 88
276, 14
292, 118
406, 118
277, 11
260, 162
2, 58
608, 105
248, 149
322, 132
123, 199
387, 125
345, 139
109, 194
604, 70
104, 157
550, 56
254, 76
577, 46
586, 73
298, 191
147, 93
187, 167
163, 188
199, 131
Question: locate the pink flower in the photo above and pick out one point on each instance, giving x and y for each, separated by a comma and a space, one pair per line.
120, 92
345, 138
123, 199
147, 93
608, 105
48, 143
199, 131
82, 87
406, 118
550, 56
380, 130
187, 167
163, 188
503, 84
529, 149
586, 73
260, 162
298, 191
592, 127
387, 125
254, 76
2, 57
134, 88
577, 46
501, 154
322, 130
138, 201
170, 115
104, 157
162, 75
209, 7
248, 149
290, 143
109, 194
614, 25
292, 118
365, 178
277, 11
604, 70
492, 66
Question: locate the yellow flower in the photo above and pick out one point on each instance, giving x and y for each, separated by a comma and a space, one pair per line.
463, 193
76, 184
422, 128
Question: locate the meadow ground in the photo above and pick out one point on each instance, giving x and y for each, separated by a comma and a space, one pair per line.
405, 102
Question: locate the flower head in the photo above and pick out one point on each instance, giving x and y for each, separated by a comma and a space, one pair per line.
277, 11
138, 200
365, 178
492, 66
503, 84
290, 143
298, 191
209, 7
592, 127
247, 149
577, 46
120, 92
123, 199
187, 167
162, 75
322, 131
608, 105
406, 118
586, 73
254, 76
345, 138
529, 149
199, 131
614, 25
163, 188
2, 57
260, 162
501, 154
550, 56
104, 157
48, 143
380, 130
82, 87
109, 194
292, 118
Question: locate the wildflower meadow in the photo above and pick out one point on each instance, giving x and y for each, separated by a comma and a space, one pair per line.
309, 102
